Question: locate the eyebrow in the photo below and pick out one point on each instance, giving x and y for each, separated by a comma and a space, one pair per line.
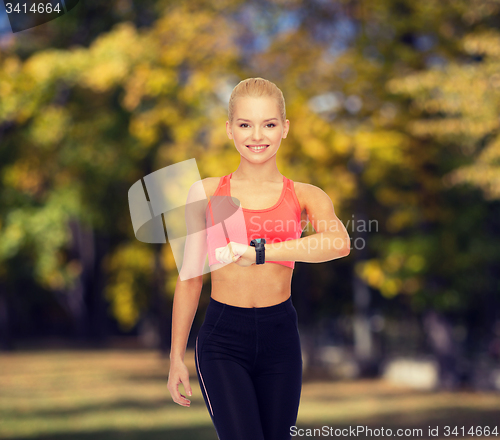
265, 120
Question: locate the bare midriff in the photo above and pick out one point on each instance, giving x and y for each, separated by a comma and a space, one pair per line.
259, 285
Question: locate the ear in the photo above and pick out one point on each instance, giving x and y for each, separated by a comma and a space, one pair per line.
286, 128
228, 130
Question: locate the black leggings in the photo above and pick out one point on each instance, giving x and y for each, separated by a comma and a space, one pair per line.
249, 366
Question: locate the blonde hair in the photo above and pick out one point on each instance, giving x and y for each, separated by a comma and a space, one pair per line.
255, 87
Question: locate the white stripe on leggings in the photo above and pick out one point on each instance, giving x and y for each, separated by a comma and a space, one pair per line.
202, 381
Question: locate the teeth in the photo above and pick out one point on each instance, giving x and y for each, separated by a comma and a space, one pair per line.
257, 148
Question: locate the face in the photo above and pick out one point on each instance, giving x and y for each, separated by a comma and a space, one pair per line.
257, 122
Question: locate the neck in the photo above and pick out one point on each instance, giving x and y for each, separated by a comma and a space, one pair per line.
257, 173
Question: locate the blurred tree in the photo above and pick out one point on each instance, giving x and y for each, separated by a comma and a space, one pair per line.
84, 124
416, 253
455, 109
375, 114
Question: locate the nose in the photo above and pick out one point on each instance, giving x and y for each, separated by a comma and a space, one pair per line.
256, 135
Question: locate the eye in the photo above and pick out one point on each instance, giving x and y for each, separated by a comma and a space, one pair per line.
241, 125
274, 125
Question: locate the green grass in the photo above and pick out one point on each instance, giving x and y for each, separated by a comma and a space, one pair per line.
120, 394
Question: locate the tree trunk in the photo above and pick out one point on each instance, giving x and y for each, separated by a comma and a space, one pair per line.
438, 329
363, 342
82, 250
97, 306
6, 339
160, 306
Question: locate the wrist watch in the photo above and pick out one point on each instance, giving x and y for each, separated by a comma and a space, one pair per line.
260, 250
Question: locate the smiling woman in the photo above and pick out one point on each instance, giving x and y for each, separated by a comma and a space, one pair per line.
257, 148
257, 133
248, 356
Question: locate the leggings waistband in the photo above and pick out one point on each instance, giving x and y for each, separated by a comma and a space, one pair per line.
286, 305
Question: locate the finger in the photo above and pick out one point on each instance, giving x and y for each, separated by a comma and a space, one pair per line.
219, 255
223, 255
184, 378
183, 401
174, 392
234, 256
230, 249
178, 397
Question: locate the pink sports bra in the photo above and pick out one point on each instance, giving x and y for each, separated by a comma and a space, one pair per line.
280, 222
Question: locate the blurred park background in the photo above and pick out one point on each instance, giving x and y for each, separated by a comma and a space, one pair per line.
393, 109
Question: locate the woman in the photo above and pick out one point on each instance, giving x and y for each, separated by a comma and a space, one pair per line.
247, 355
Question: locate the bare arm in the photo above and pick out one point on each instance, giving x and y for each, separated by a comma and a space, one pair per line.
186, 299
187, 292
331, 240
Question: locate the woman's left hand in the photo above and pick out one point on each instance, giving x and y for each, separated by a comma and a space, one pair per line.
242, 254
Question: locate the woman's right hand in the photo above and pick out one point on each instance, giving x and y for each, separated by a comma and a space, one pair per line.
179, 374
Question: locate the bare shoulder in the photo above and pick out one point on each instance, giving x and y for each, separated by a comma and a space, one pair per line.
308, 193
202, 189
303, 192
307, 190
300, 187
210, 184
199, 194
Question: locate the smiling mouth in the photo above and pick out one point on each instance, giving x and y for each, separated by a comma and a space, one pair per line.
257, 147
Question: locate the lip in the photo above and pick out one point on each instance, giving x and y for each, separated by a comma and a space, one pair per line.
259, 151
